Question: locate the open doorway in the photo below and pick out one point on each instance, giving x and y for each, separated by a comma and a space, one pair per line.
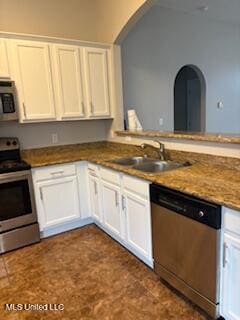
189, 100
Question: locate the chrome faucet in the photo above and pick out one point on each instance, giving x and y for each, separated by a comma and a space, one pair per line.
160, 150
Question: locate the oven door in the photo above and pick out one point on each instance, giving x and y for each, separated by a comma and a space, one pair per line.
17, 205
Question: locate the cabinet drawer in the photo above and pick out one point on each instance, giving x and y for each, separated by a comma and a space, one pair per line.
136, 186
93, 169
232, 221
52, 172
110, 176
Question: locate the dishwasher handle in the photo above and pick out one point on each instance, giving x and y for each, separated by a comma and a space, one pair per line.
171, 205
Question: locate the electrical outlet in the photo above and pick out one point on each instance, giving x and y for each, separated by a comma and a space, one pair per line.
54, 138
220, 105
160, 122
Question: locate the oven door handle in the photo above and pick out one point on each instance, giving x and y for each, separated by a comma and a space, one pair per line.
1, 106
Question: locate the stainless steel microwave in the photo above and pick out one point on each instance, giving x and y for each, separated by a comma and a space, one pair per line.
8, 101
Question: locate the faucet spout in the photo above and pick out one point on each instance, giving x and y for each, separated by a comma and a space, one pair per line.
160, 149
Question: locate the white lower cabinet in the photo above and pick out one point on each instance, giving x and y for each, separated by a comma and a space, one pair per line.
111, 207
74, 194
138, 224
57, 198
59, 201
94, 194
231, 278
230, 300
125, 206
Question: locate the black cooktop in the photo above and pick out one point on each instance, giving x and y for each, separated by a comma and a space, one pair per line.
7, 166
10, 156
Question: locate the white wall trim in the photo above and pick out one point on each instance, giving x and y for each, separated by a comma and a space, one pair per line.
63, 227
33, 37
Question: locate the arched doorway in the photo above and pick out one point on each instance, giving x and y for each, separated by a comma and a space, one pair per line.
189, 100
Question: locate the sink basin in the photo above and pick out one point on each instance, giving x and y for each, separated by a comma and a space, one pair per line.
146, 164
132, 161
157, 166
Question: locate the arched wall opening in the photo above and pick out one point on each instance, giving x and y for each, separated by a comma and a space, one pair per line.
189, 100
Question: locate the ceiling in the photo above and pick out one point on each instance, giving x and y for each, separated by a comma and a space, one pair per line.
222, 10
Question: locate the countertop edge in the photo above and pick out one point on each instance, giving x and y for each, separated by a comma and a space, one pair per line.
138, 175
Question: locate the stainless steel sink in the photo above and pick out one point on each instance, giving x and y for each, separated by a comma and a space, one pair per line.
132, 161
146, 164
157, 166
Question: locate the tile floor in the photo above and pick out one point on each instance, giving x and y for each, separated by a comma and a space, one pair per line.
92, 275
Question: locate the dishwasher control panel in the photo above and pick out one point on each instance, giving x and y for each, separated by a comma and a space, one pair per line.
189, 206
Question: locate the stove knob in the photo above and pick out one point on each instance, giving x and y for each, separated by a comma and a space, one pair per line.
8, 143
14, 143
201, 214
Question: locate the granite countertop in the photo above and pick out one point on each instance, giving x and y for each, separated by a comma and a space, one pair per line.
208, 180
195, 136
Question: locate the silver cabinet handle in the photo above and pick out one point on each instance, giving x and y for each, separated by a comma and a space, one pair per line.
83, 107
92, 172
95, 188
225, 261
24, 111
116, 198
57, 172
91, 107
123, 203
41, 194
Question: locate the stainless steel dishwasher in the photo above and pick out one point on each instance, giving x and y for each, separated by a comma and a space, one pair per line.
186, 245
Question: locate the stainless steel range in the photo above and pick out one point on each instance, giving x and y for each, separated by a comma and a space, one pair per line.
18, 219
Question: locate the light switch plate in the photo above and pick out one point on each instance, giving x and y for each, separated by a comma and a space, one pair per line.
54, 138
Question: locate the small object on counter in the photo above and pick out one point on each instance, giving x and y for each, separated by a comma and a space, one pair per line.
125, 124
133, 121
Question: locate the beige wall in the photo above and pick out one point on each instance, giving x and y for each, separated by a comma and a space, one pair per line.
89, 20
40, 134
114, 15
58, 18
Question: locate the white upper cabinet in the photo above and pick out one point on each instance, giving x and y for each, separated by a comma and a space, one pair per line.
33, 73
59, 81
4, 65
97, 81
69, 81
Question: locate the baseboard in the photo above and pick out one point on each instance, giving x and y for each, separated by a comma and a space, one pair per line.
65, 227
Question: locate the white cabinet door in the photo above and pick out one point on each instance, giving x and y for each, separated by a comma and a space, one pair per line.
33, 70
111, 208
95, 204
97, 81
4, 66
70, 83
59, 201
138, 224
231, 278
